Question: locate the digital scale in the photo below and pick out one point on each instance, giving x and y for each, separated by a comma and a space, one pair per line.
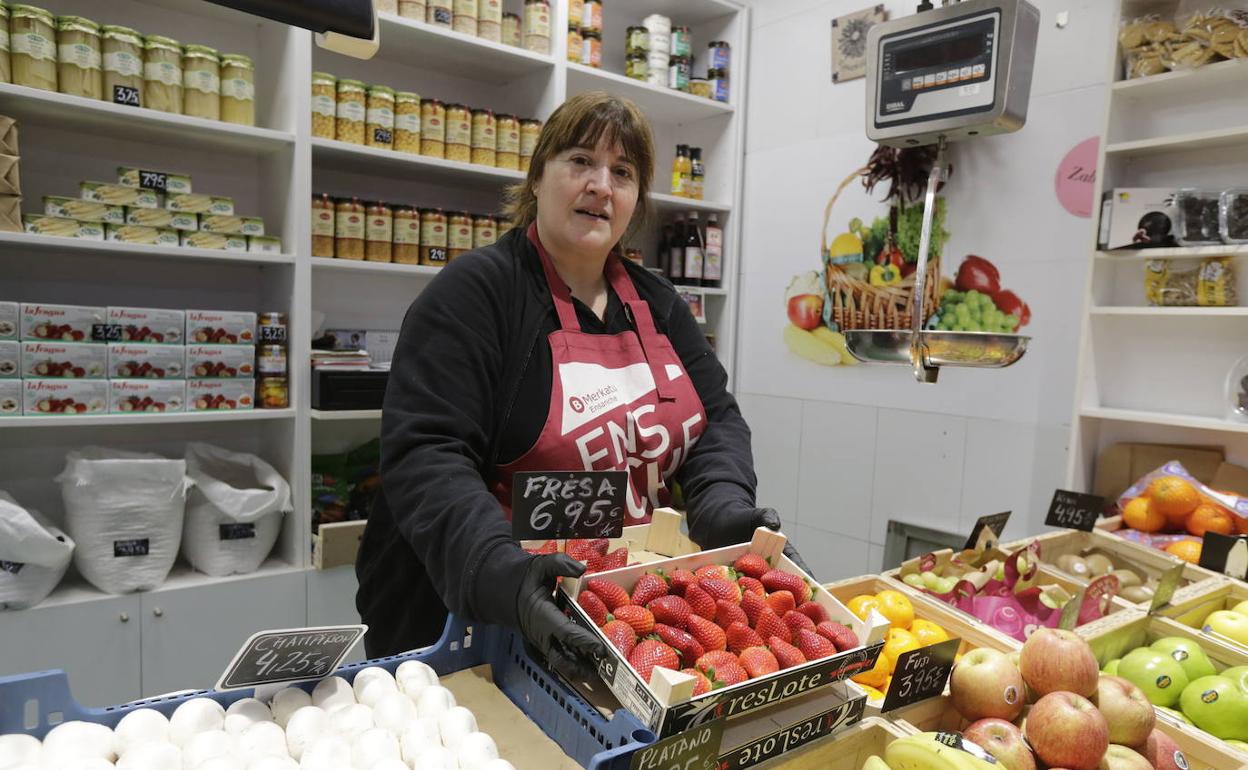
958, 72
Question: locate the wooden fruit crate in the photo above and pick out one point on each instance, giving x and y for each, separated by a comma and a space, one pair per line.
1193, 610
1124, 554
848, 749
1202, 751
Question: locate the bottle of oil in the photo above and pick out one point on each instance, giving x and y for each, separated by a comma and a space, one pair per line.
682, 171
676, 251
713, 260
695, 254
697, 172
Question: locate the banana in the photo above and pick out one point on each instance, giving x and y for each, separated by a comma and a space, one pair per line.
924, 752
875, 763
810, 347
836, 340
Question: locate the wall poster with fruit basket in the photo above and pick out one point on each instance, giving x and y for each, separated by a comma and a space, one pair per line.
866, 276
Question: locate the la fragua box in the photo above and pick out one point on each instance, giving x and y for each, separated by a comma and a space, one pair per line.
666, 704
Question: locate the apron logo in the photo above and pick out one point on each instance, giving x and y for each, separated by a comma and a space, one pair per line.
576, 404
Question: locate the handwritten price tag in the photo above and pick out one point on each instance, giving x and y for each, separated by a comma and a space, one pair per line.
555, 505
290, 655
1074, 510
996, 523
1225, 554
696, 749
921, 674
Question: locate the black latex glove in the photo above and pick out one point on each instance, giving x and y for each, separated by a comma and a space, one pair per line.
726, 528
568, 648
767, 517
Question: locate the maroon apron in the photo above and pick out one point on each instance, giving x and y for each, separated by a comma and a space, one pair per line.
617, 401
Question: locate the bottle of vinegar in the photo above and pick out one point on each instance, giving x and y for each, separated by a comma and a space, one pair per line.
694, 251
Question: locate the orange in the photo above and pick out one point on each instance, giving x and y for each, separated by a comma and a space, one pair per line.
872, 693
862, 605
927, 632
897, 608
877, 676
1142, 515
1187, 550
898, 641
1210, 518
1174, 498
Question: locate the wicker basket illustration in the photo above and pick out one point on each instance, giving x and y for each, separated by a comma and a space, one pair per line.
856, 304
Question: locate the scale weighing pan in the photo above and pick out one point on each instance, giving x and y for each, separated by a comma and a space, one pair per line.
960, 72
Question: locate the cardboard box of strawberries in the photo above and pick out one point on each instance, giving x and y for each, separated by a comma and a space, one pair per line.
719, 633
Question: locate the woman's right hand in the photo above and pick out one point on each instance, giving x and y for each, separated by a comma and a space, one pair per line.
567, 647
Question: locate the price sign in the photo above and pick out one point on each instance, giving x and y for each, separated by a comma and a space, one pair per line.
1166, 587
995, 522
921, 674
127, 96
290, 655
106, 332
568, 504
382, 135
154, 180
696, 749
1225, 554
1074, 510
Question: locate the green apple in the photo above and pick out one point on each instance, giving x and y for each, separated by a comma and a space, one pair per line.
1230, 624
1189, 655
1216, 705
1241, 608
1160, 676
1001, 571
1239, 675
1111, 667
929, 579
914, 580
1178, 716
943, 585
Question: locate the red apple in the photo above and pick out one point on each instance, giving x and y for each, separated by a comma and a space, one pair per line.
979, 274
1054, 660
1002, 740
985, 683
1163, 753
1122, 758
1066, 730
1129, 712
806, 311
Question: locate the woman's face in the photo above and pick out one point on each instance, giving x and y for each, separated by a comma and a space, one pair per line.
585, 200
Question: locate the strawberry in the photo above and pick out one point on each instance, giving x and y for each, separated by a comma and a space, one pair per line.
814, 611
611, 594
709, 635
751, 586
814, 646
781, 602
841, 636
680, 641
702, 686
670, 610
727, 613
550, 546
769, 624
751, 564
752, 604
593, 606
648, 586
758, 661
680, 579
721, 589
727, 675
700, 601
715, 570
775, 580
797, 621
740, 636
621, 635
786, 654
614, 560
715, 659
650, 654
581, 550
593, 563
638, 617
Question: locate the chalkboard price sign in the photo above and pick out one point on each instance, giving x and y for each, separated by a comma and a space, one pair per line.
1074, 510
921, 674
995, 522
696, 749
555, 505
1225, 554
290, 655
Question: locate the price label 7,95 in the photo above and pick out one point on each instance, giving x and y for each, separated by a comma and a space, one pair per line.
556, 505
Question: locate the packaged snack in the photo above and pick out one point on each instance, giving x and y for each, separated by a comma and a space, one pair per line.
264, 244
10, 359
119, 195
220, 361
68, 360
71, 397
1184, 283
204, 395
160, 181
83, 211
10, 398
147, 325
1197, 216
144, 362
220, 327
62, 323
10, 320
127, 396
153, 236
1233, 215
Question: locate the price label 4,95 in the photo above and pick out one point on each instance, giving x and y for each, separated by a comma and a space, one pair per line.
1074, 510
556, 505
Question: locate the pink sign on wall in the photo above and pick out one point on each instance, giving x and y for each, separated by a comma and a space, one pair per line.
1076, 178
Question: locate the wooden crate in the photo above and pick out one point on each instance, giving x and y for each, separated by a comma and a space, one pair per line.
1202, 751
848, 749
1191, 612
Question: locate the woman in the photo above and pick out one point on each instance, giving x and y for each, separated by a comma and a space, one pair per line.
534, 354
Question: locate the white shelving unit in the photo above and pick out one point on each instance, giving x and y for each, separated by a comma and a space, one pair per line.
1158, 374
120, 647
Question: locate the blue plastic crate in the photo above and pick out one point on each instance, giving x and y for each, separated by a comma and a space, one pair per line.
35, 703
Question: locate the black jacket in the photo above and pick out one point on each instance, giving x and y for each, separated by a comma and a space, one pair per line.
469, 389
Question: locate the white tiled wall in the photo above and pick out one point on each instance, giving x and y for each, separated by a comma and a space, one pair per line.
840, 452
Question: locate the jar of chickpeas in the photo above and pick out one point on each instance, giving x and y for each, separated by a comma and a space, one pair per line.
465, 17
432, 237
483, 232
529, 131
458, 235
406, 240
324, 104
537, 26
412, 9
352, 100
379, 119
378, 233
439, 12
162, 74
201, 82
490, 20
507, 142
483, 137
322, 226
511, 29
349, 228
458, 133
432, 128
407, 122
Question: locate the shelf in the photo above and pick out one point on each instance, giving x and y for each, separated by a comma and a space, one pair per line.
705, 290
1162, 418
1223, 250
691, 12
674, 204
344, 415
407, 167
441, 50
1196, 140
357, 266
1182, 312
158, 418
75, 589
99, 118
1184, 82
22, 244
661, 105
